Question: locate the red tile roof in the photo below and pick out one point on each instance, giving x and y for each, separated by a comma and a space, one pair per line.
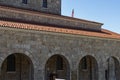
103, 34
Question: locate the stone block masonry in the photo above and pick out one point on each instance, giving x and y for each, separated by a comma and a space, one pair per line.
53, 6
40, 46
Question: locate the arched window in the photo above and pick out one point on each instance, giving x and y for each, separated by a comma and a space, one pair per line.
88, 68
57, 66
11, 63
44, 3
84, 63
59, 63
24, 1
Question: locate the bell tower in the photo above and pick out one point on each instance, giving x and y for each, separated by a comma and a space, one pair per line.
47, 6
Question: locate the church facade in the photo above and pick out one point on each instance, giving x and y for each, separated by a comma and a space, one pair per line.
38, 43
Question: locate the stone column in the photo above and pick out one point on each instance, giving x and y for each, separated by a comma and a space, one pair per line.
111, 69
73, 70
0, 70
73, 75
101, 69
39, 74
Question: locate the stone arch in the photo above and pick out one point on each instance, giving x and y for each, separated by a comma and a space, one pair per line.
57, 66
88, 68
21, 51
23, 68
112, 71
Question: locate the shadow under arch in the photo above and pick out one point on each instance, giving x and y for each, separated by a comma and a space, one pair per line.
113, 69
17, 66
57, 66
88, 68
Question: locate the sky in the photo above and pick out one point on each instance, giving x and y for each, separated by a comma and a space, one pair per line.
103, 11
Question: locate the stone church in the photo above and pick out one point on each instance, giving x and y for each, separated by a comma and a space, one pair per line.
38, 43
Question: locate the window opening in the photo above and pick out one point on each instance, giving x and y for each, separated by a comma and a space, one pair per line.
84, 63
11, 63
45, 3
59, 63
24, 1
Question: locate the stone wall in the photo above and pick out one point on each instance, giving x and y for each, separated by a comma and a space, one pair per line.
40, 46
53, 6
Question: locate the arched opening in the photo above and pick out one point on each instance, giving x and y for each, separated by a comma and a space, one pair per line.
113, 69
88, 68
17, 67
57, 67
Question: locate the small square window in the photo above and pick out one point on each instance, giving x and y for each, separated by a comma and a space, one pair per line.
24, 1
44, 3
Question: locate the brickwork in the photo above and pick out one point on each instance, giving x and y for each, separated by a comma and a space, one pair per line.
41, 45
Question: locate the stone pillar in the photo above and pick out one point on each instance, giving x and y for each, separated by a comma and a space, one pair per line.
73, 75
0, 67
101, 70
39, 74
73, 70
111, 69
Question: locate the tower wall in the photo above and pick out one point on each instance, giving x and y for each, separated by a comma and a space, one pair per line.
53, 6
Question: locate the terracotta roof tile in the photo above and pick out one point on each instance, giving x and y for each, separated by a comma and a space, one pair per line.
103, 34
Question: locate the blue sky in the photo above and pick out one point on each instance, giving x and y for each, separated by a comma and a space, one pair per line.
104, 11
